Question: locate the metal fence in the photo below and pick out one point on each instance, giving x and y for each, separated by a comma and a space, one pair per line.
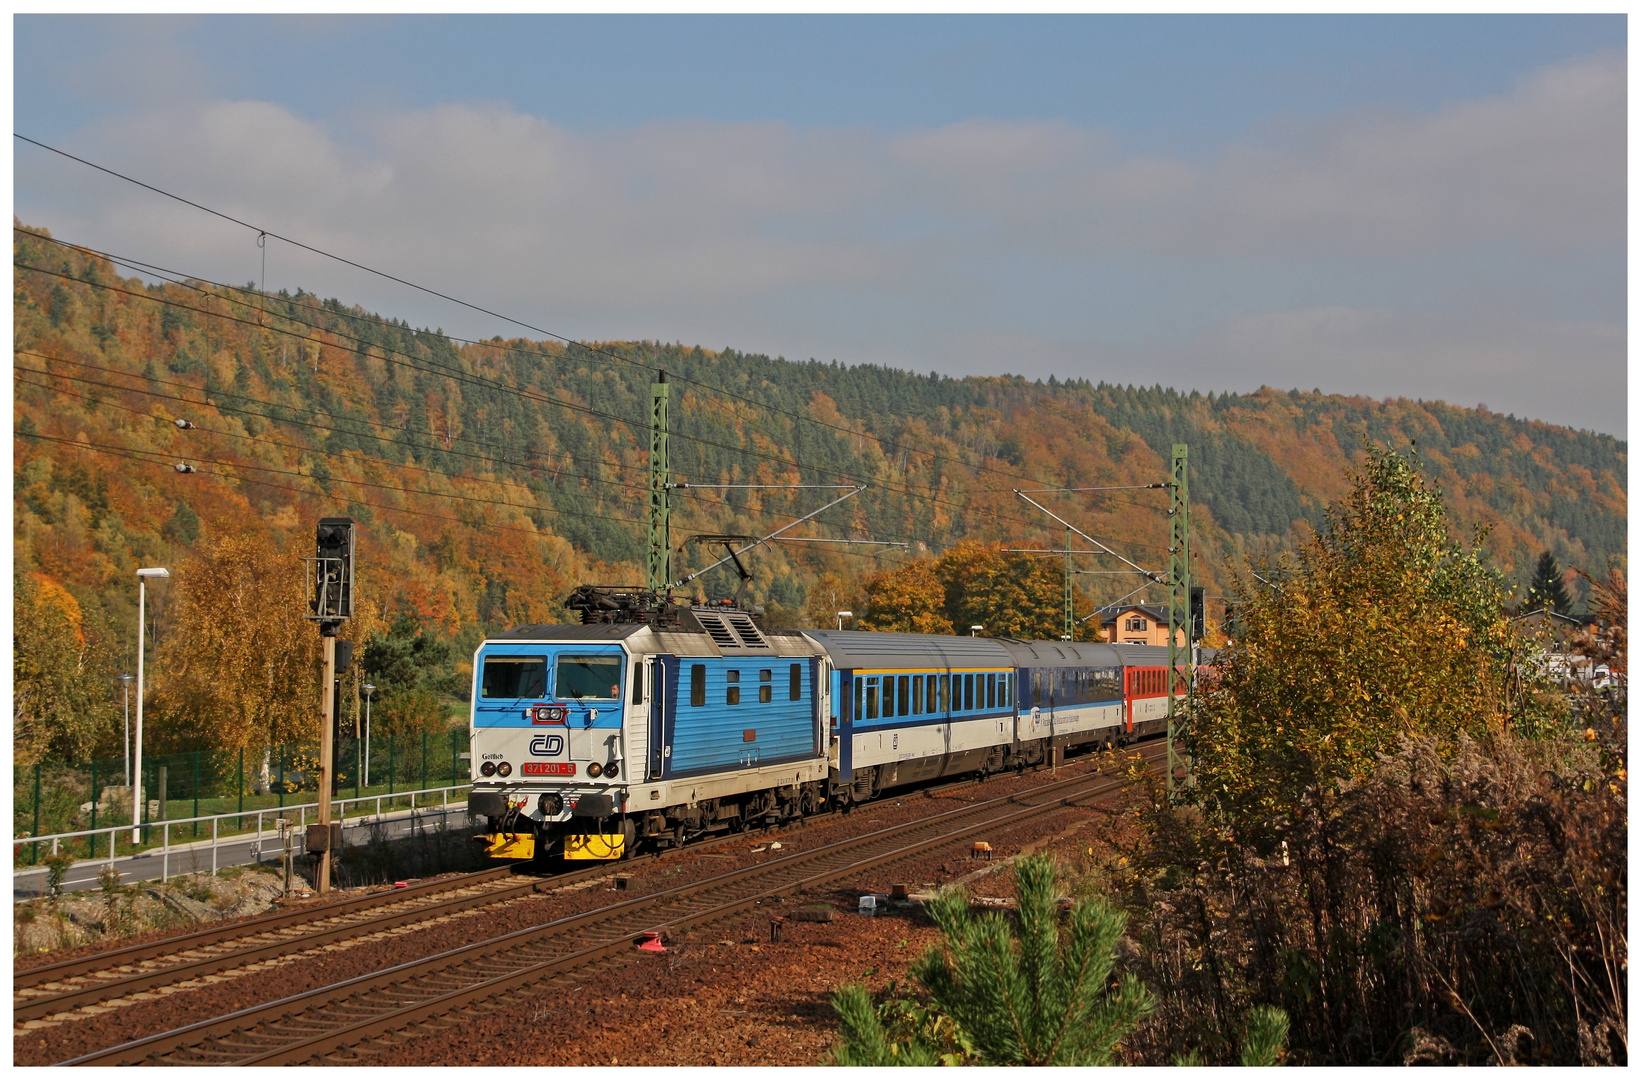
260, 832
189, 788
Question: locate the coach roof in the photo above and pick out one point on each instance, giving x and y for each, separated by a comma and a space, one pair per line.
850, 649
1077, 654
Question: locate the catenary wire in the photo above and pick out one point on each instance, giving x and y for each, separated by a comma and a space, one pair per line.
443, 371
342, 455
498, 315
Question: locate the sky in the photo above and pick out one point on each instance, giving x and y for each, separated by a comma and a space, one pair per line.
1428, 207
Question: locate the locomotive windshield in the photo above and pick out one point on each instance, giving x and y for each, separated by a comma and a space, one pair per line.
589, 677
513, 677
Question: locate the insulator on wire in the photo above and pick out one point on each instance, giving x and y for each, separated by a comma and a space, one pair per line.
184, 467
183, 424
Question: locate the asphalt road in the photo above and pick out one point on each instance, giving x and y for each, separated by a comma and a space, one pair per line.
195, 856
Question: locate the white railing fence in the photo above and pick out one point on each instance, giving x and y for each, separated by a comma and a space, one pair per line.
93, 837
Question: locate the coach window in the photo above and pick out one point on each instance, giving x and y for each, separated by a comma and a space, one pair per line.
860, 698
638, 682
991, 691
917, 695
946, 693
697, 684
968, 692
929, 702
795, 690
871, 699
732, 693
905, 695
888, 695
766, 685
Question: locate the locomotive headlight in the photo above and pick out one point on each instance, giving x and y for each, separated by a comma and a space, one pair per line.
595, 770
549, 714
504, 769
611, 770
488, 768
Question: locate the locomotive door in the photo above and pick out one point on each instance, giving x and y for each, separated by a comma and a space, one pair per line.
657, 679
635, 726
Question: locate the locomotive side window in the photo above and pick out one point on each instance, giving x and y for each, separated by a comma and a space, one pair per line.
638, 682
514, 677
795, 692
697, 685
766, 685
732, 692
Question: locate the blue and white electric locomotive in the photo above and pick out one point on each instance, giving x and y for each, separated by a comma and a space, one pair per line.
588, 741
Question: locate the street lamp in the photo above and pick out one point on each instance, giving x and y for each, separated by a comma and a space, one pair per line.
842, 615
365, 768
974, 629
126, 681
136, 777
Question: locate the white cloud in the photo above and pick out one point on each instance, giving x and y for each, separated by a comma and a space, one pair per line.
864, 245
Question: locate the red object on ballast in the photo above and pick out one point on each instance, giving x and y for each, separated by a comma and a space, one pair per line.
651, 942
401, 884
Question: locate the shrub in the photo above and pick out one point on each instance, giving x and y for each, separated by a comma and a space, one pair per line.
1020, 990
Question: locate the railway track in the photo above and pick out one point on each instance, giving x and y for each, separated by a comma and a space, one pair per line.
54, 989
329, 1021
61, 988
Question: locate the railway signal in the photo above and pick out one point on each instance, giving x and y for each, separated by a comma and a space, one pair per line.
330, 603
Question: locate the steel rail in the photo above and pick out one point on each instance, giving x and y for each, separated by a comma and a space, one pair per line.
426, 979
148, 950
123, 984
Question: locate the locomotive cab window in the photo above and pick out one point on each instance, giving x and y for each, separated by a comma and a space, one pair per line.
513, 677
596, 677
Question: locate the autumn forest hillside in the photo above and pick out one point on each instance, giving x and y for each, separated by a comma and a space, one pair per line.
490, 478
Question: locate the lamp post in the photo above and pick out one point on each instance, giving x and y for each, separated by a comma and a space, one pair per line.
136, 777
974, 629
364, 769
125, 681
842, 615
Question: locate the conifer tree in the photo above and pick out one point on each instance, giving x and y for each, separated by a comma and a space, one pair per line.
1549, 590
1029, 989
